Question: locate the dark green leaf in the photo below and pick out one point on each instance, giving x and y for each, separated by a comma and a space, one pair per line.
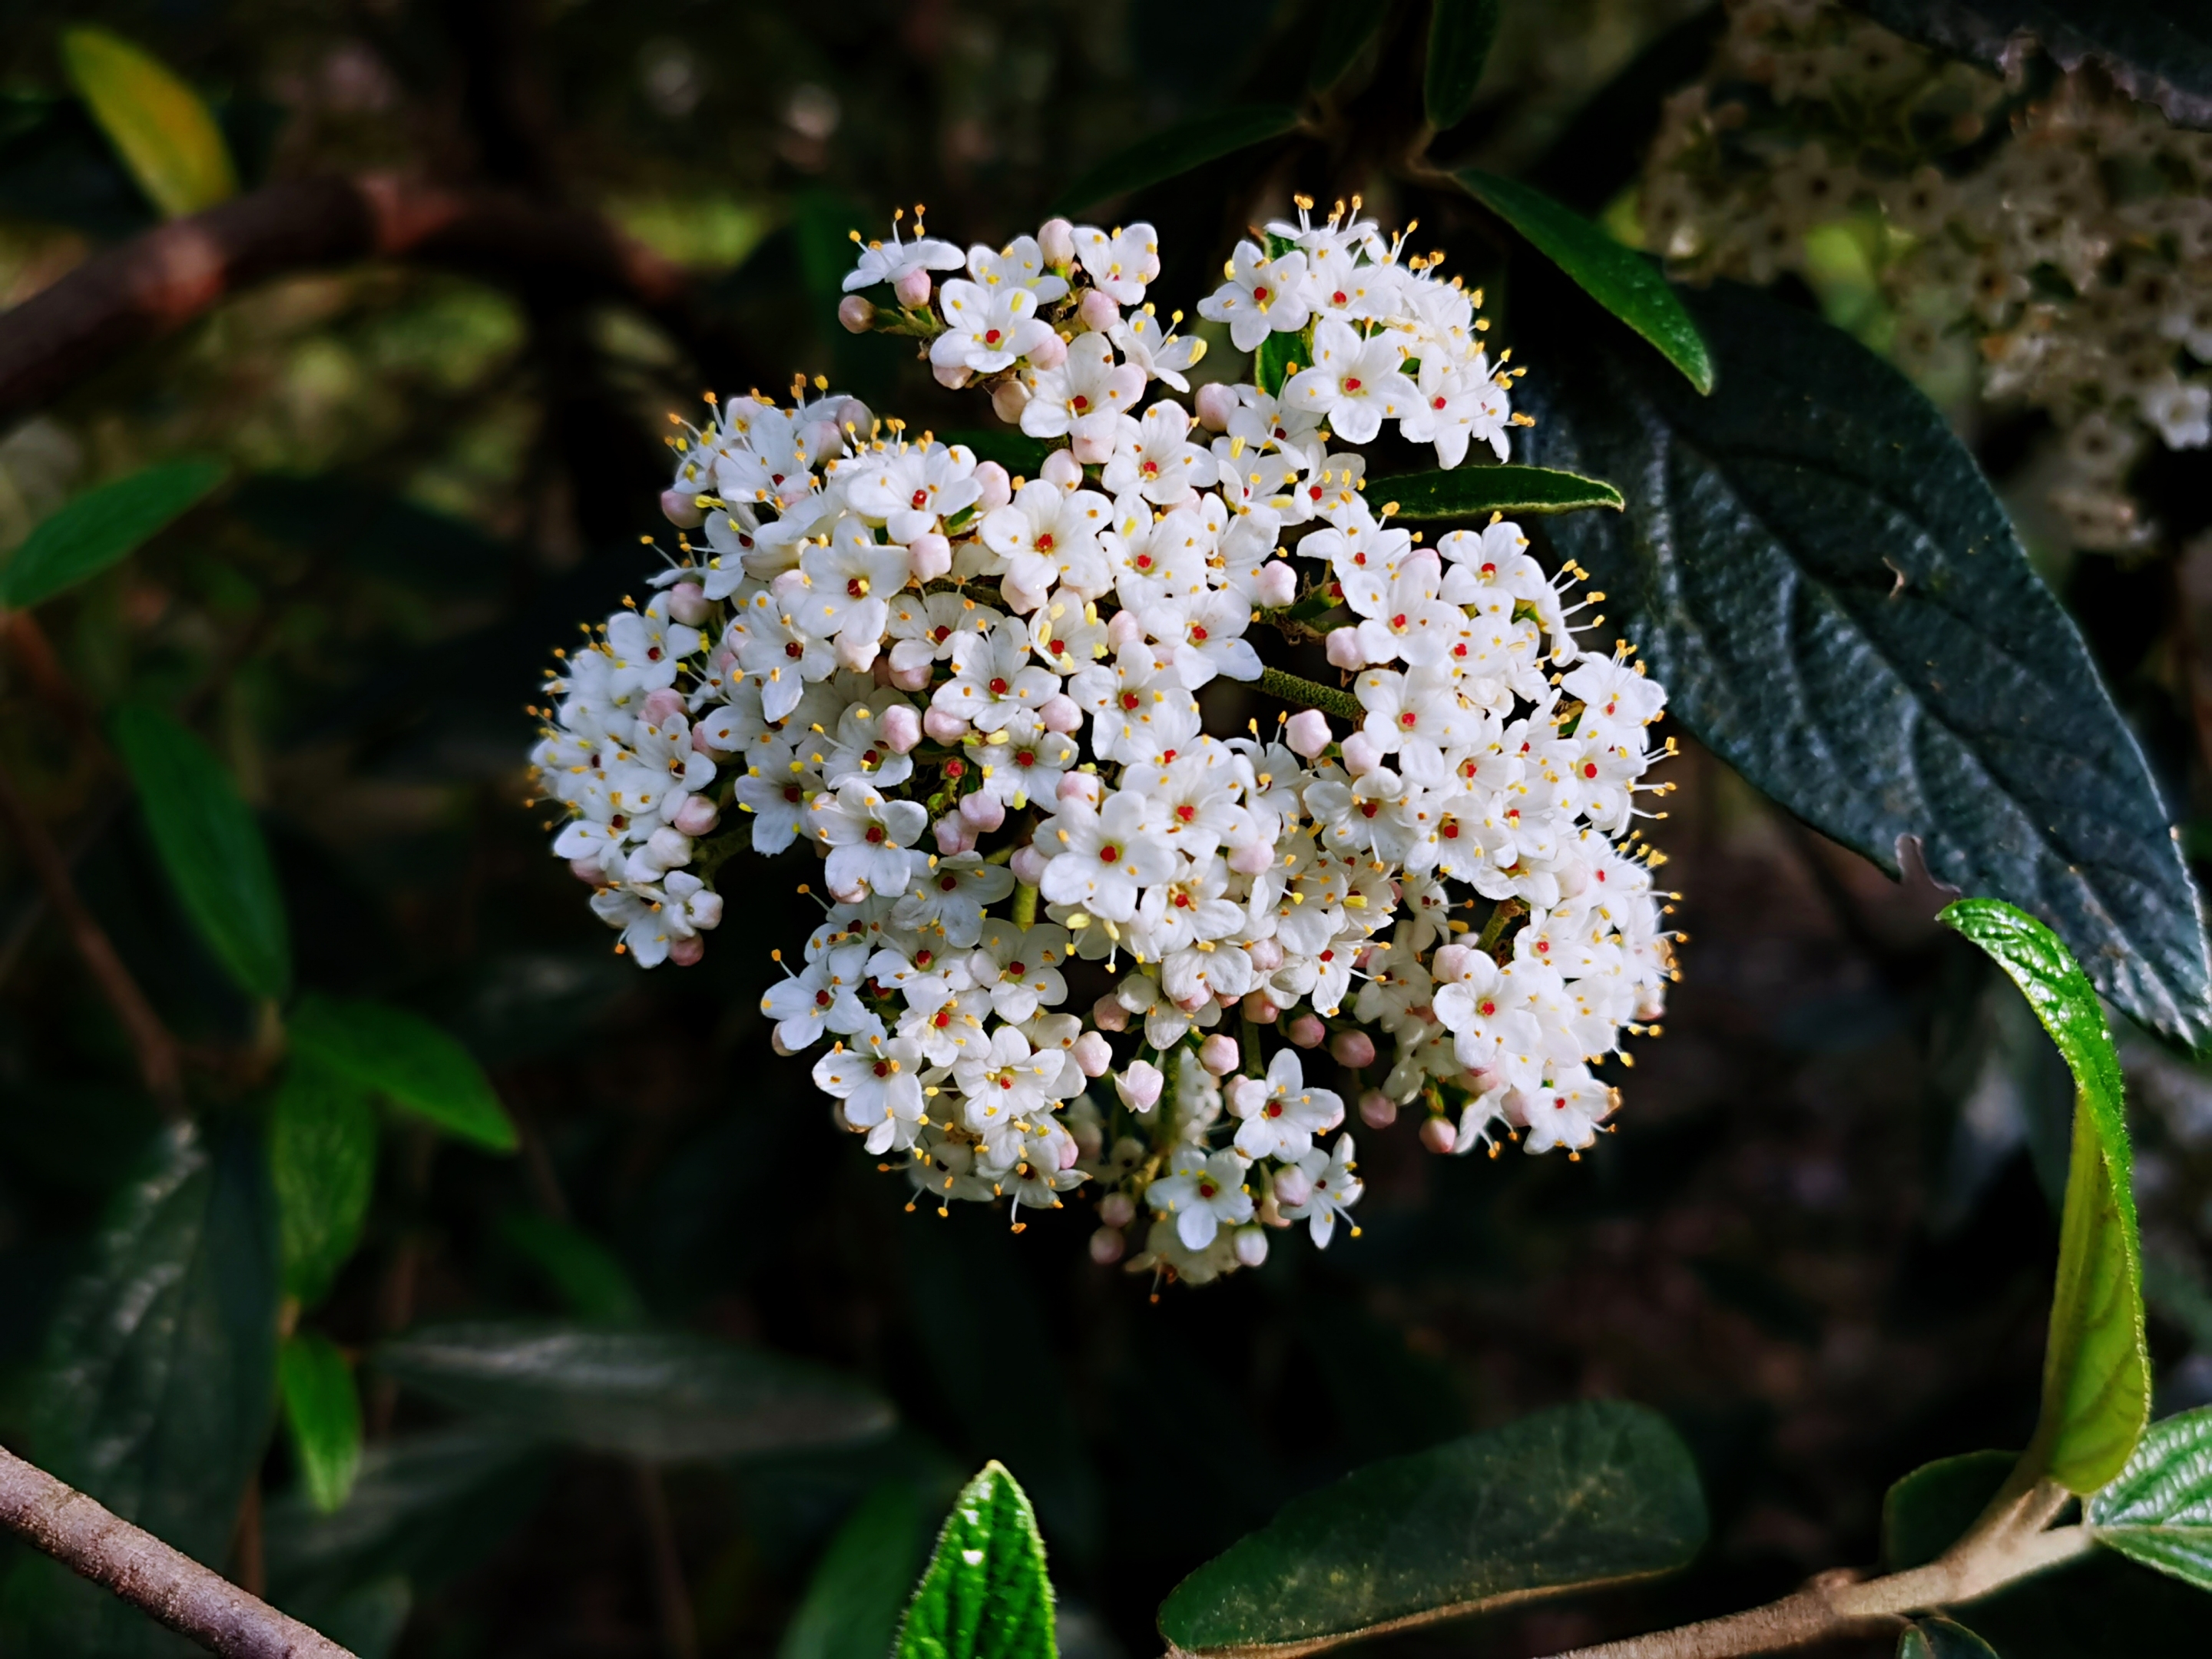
402, 1055
2099, 1606
1277, 358
163, 129
101, 526
1460, 36
2160, 54
1340, 33
583, 1272
985, 1595
1010, 447
656, 1394
2096, 1366
851, 1607
366, 1622
322, 1413
1475, 492
210, 848
2158, 1510
1623, 281
1931, 1509
1942, 1638
1177, 150
1580, 1496
1839, 608
322, 1162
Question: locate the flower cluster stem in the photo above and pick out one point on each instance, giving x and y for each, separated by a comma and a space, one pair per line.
1309, 694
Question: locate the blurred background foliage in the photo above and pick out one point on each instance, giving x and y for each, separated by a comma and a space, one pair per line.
1820, 1241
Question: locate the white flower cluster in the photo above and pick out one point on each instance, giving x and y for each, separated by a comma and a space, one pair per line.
974, 696
2049, 245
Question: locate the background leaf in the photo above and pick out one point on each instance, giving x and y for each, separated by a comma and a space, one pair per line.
587, 1276
322, 1164
1010, 447
1942, 1638
101, 526
1461, 33
986, 1593
2096, 1367
1177, 150
1799, 548
1579, 1496
851, 1605
402, 1055
1471, 492
210, 848
160, 126
1340, 33
1623, 281
322, 1413
1272, 364
2158, 1510
1931, 1509
657, 1394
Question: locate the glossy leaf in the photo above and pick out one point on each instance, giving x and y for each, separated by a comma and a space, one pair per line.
101, 526
403, 1056
985, 1594
1838, 609
322, 1417
1931, 1509
1340, 33
1277, 360
662, 1395
2096, 1365
1623, 281
1170, 154
1580, 1496
1942, 1638
1010, 447
1460, 33
163, 130
1476, 492
851, 1605
210, 847
2158, 1510
322, 1162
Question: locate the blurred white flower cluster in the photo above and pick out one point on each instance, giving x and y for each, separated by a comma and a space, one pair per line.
2050, 242
1074, 938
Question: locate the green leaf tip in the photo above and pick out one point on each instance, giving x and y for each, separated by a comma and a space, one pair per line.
985, 1594
1169, 153
102, 526
1468, 492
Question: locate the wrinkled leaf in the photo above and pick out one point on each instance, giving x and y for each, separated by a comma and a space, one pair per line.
583, 1272
2158, 1510
210, 847
101, 526
1571, 1499
1623, 281
322, 1162
1339, 35
1942, 1638
401, 1056
1838, 608
1186, 145
1461, 33
985, 1594
163, 129
322, 1416
852, 1604
1471, 492
2096, 1367
1931, 1509
662, 1395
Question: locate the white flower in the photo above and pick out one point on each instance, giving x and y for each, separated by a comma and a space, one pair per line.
949, 898
1565, 1111
1282, 1116
1101, 857
1024, 769
910, 491
1020, 971
1262, 296
1049, 536
986, 329
1085, 395
1120, 263
881, 1086
1161, 356
869, 835
652, 918
1206, 637
1403, 618
1020, 263
995, 686
1453, 403
1201, 1193
1355, 383
1140, 710
1006, 1084
1153, 456
823, 998
1335, 1189
645, 648
886, 264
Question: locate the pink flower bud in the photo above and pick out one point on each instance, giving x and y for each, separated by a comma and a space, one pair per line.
1245, 1095
1345, 650
684, 952
1092, 1053
1266, 954
1061, 712
1250, 1244
1028, 864
1481, 1079
1353, 1049
1050, 352
1451, 963
1260, 1009
1139, 1084
1092, 448
982, 811
998, 488
1293, 1186
1056, 241
855, 314
858, 651
1080, 786
1216, 404
1122, 629
908, 679
681, 508
1218, 1054
788, 585
1009, 398
688, 604
902, 727
1109, 1015
1307, 1031
1361, 756
699, 738
669, 848
913, 289
1020, 598
1106, 1246
951, 376
1251, 858
1086, 1140
588, 871
1306, 732
1438, 1135
1098, 312
1060, 468
855, 893
696, 817
930, 554
1118, 1210
663, 705
1377, 1111
1276, 585
953, 835
944, 725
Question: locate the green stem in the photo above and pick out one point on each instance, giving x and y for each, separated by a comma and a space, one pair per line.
1288, 688
1494, 929
1025, 903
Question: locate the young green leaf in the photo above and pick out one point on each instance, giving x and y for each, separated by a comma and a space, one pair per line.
1186, 145
322, 1416
322, 1162
1279, 356
1580, 1496
1461, 33
2158, 1510
984, 1595
101, 526
1931, 1509
402, 1055
1837, 607
2096, 1367
163, 131
210, 848
852, 1604
1942, 1638
1623, 281
661, 1395
1338, 35
1475, 492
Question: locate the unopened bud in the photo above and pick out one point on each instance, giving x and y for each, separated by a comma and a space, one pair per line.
998, 488
668, 847
951, 376
908, 679
1106, 1246
1061, 712
1009, 398
953, 835
1056, 241
696, 817
688, 604
1276, 585
684, 952
1345, 650
1080, 786
1251, 858
944, 725
1218, 1054
1306, 732
590, 872
1451, 963
1028, 864
1050, 352
1260, 1008
1138, 1085
982, 811
1376, 1109
1117, 1210
1060, 468
1109, 1015
681, 508
902, 727
1250, 1244
930, 556
1122, 629
858, 651
1217, 404
663, 705
1098, 311
855, 314
1307, 1031
1092, 448
913, 289
1266, 954
1438, 1135
1361, 756
1354, 1048
1021, 599
1244, 1096
1293, 1186
1093, 1054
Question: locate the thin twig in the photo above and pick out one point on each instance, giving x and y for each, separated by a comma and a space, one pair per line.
679, 1633
166, 1583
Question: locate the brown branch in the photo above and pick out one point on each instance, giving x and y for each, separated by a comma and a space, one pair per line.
156, 1049
167, 1584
